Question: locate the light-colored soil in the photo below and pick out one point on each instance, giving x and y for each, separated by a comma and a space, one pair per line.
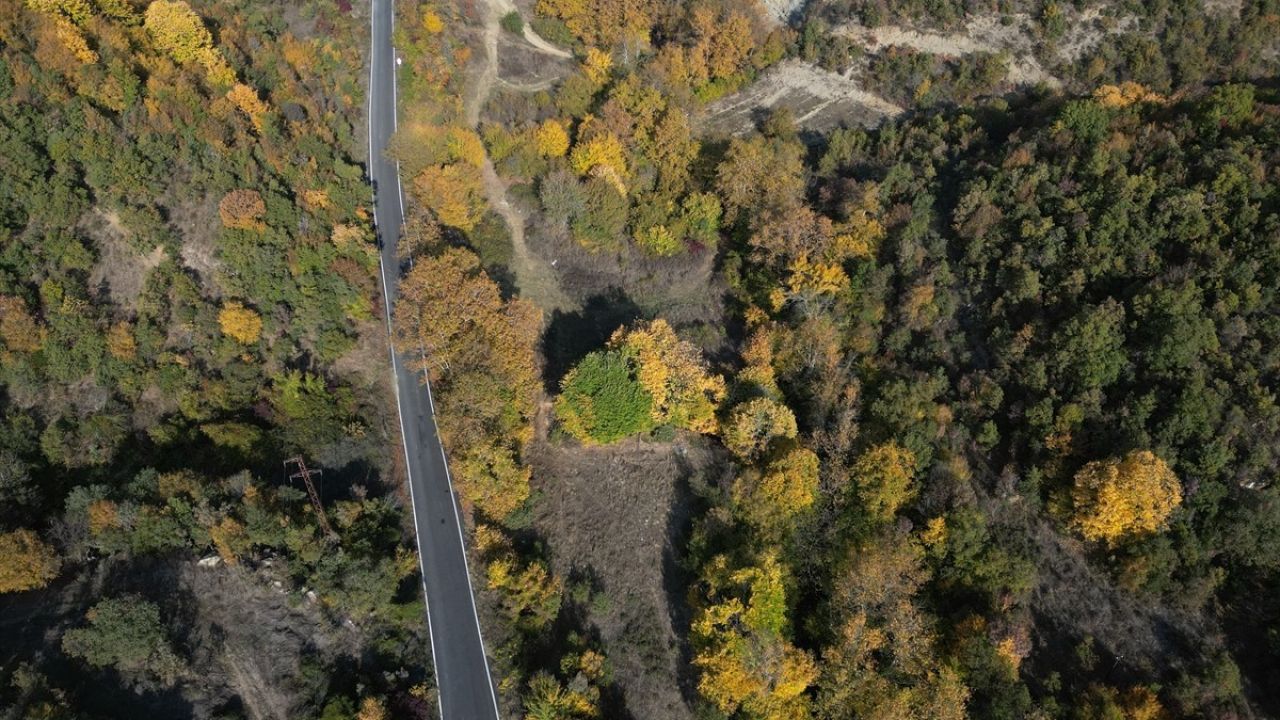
120, 269
254, 639
982, 34
613, 516
820, 100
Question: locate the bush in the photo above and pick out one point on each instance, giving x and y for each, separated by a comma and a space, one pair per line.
512, 23
602, 401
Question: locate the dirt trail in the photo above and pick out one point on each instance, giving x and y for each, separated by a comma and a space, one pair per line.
536, 279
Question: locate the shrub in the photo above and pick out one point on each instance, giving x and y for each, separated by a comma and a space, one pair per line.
512, 23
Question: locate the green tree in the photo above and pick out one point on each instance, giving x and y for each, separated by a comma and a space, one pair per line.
126, 634
601, 399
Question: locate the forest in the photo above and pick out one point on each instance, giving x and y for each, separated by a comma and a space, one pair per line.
967, 412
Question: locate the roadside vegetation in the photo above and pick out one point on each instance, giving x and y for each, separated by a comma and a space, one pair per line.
969, 414
188, 299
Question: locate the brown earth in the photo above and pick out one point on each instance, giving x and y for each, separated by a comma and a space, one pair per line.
614, 518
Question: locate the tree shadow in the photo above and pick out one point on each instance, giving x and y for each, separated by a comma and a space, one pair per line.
676, 577
571, 336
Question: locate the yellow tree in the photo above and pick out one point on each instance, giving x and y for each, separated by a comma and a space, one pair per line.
1123, 498
883, 478
601, 155
246, 99
806, 279
455, 192
685, 393
26, 563
178, 30
756, 423
18, 329
552, 139
242, 210
788, 486
744, 659
451, 318
240, 323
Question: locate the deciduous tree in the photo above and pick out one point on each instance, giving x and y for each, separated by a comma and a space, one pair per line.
25, 562
1123, 498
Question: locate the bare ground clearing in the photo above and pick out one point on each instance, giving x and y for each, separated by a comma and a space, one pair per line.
819, 100
121, 269
615, 517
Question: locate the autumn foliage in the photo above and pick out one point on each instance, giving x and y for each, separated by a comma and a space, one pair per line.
1122, 498
240, 323
242, 210
25, 562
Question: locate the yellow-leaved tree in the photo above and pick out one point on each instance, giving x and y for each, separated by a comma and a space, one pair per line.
883, 478
1118, 499
601, 155
240, 323
756, 423
25, 562
744, 658
685, 393
552, 139
179, 31
770, 500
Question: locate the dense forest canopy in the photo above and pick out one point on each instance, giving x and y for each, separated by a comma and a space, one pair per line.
967, 411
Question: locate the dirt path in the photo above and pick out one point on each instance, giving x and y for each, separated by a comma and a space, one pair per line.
536, 279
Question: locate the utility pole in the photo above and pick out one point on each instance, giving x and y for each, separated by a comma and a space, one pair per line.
305, 475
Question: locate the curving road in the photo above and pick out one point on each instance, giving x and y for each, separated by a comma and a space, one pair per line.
464, 682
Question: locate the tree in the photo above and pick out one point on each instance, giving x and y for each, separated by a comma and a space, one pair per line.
455, 192
788, 486
552, 139
240, 323
450, 318
1119, 499
372, 708
19, 331
756, 423
685, 394
26, 563
242, 210
178, 30
125, 633
601, 155
883, 478
601, 400
246, 99
760, 175
547, 699
745, 662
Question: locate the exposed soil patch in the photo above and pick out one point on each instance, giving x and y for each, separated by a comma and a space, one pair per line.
197, 222
121, 270
982, 34
615, 517
819, 100
256, 642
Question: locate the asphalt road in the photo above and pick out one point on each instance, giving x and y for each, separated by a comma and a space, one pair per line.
457, 648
